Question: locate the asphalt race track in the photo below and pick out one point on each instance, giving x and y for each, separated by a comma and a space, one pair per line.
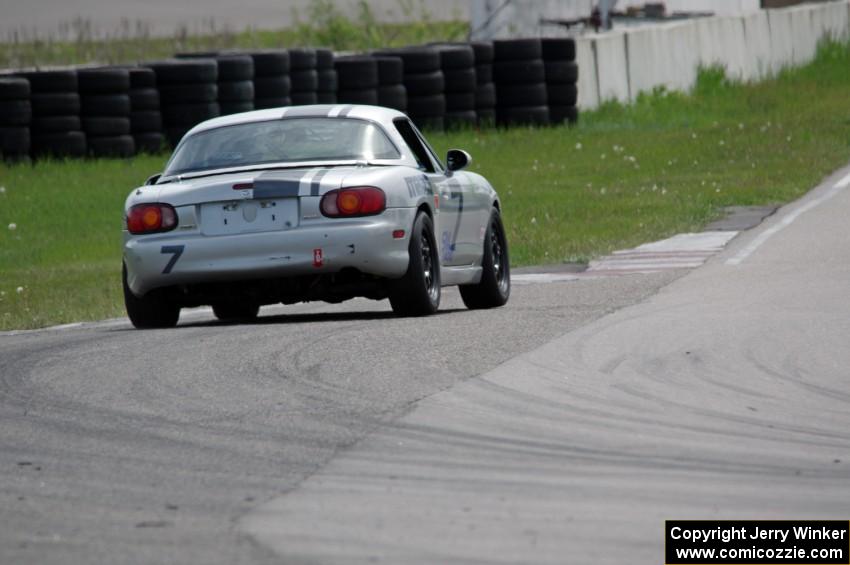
563, 428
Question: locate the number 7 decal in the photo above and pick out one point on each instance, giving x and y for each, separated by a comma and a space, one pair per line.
176, 251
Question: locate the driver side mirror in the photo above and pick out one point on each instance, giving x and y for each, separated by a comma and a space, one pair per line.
152, 179
457, 159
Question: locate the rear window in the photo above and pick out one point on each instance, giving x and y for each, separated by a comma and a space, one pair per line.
282, 141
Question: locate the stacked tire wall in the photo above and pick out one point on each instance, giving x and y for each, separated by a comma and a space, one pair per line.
145, 117
235, 83
457, 63
559, 59
520, 78
15, 118
425, 85
304, 76
358, 80
105, 111
485, 90
272, 85
188, 92
391, 90
56, 129
327, 84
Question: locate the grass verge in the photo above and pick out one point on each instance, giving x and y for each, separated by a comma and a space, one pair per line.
625, 175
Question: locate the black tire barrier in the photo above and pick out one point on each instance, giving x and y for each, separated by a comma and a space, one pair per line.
103, 80
390, 70
324, 59
416, 59
236, 91
455, 56
485, 96
145, 121
562, 94
558, 48
304, 98
522, 115
14, 142
105, 127
326, 98
561, 72
14, 88
141, 77
302, 59
59, 144
460, 80
361, 96
425, 84
149, 142
484, 52
433, 106
234, 68
48, 124
484, 74
461, 120
486, 116
272, 87
263, 103
304, 81
237, 107
563, 114
184, 71
517, 49
186, 93
105, 105
435, 123
55, 104
393, 96
357, 73
180, 115
15, 112
51, 81
270, 62
112, 146
144, 99
517, 95
460, 101
519, 72
328, 82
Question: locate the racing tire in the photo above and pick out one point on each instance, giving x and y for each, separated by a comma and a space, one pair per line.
483, 51
390, 70
141, 77
15, 112
144, 99
112, 146
272, 102
416, 59
324, 59
517, 49
184, 71
102, 105
56, 104
460, 80
50, 124
328, 81
151, 311
484, 74
460, 101
485, 96
561, 72
234, 68
304, 98
512, 95
106, 126
417, 293
425, 84
270, 62
461, 120
562, 95
563, 114
558, 48
519, 72
14, 141
151, 143
236, 91
189, 93
189, 114
433, 106
14, 88
456, 56
326, 97
236, 311
228, 108
59, 144
302, 59
304, 81
362, 96
103, 80
523, 116
272, 87
495, 286
146, 121
51, 81
393, 96
357, 73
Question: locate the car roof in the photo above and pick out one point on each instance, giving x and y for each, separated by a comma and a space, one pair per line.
381, 115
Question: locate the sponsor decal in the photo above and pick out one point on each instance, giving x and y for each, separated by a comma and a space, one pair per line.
318, 258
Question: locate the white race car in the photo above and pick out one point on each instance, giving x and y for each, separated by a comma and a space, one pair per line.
325, 202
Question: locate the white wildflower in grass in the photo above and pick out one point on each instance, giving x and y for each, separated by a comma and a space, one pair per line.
789, 138
631, 158
602, 191
663, 191
740, 126
2, 190
716, 190
721, 143
533, 220
693, 136
13, 226
696, 162
654, 187
603, 156
19, 290
579, 146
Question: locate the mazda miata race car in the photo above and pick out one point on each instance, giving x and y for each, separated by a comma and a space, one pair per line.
325, 202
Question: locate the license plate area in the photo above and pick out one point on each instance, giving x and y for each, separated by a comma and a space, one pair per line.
249, 216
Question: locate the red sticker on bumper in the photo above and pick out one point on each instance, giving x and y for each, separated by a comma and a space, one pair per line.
318, 260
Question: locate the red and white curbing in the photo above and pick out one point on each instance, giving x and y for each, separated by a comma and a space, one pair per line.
683, 251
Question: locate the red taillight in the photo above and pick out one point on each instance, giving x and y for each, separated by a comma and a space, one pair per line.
355, 201
151, 218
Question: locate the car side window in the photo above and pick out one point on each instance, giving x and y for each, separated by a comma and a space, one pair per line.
408, 133
434, 159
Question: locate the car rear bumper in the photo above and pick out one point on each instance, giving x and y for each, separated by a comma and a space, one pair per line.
175, 258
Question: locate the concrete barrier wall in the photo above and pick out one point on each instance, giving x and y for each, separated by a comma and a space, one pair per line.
753, 46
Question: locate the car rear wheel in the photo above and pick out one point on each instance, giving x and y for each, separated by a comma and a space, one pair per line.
153, 310
417, 293
235, 311
495, 286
